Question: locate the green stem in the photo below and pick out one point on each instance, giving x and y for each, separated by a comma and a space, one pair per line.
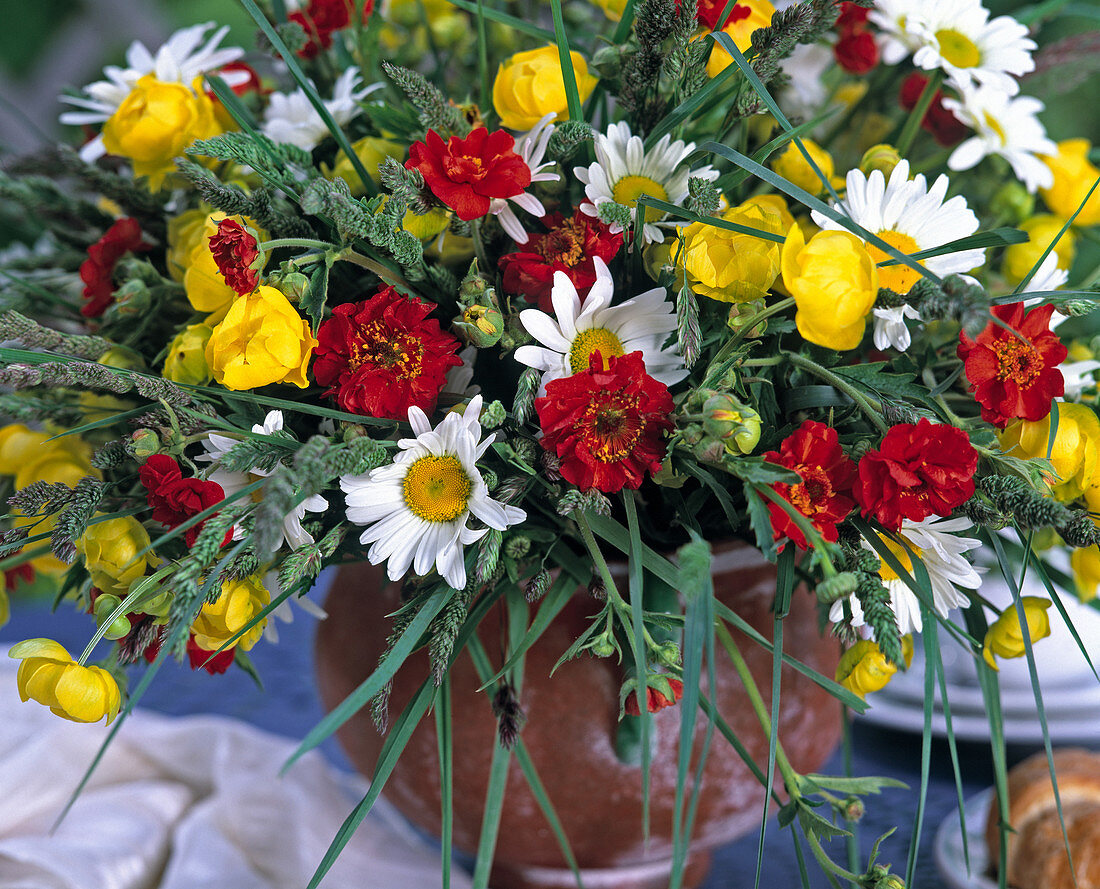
307, 243
842, 385
598, 560
790, 776
386, 274
750, 323
909, 131
479, 246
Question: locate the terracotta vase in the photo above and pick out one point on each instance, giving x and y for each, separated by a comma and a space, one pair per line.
571, 720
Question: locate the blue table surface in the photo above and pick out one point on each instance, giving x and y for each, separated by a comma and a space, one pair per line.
291, 707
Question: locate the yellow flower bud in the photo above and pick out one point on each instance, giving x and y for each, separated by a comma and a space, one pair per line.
184, 232
880, 157
110, 549
1005, 636
834, 283
261, 340
863, 668
1074, 175
186, 359
1020, 258
426, 225
220, 620
530, 85
48, 674
740, 32
613, 9
792, 166
371, 151
156, 123
17, 443
1085, 563
733, 423
1073, 454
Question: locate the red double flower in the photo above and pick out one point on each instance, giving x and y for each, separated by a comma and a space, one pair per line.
855, 49
234, 250
919, 470
322, 18
175, 498
945, 128
124, 236
467, 174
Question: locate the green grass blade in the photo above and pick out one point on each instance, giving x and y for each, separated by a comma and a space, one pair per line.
952, 746
1061, 233
503, 18
637, 645
310, 92
233, 104
569, 76
392, 748
377, 680
930, 653
726, 42
1042, 571
445, 738
538, 790
707, 96
1033, 673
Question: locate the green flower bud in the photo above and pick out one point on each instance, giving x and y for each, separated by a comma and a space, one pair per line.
879, 157
294, 286
480, 326
740, 317
734, 424
602, 646
102, 610
669, 654
144, 443
492, 415
1013, 201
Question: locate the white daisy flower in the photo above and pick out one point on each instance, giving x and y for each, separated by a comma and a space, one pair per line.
911, 216
1048, 276
532, 148
217, 445
805, 94
891, 331
180, 60
1005, 126
416, 508
900, 28
960, 38
624, 171
568, 339
283, 613
939, 546
290, 118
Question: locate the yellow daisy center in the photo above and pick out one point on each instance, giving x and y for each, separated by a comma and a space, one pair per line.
628, 189
957, 49
595, 339
900, 553
899, 278
436, 489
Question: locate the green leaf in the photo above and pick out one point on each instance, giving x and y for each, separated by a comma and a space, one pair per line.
569, 76
313, 303
444, 734
637, 642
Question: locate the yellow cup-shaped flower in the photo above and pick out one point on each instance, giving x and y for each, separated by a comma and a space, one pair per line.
371, 151
793, 166
186, 359
613, 9
1074, 175
110, 549
1005, 636
261, 340
1042, 229
48, 674
17, 443
530, 85
1073, 454
834, 283
220, 620
184, 232
1085, 563
740, 32
730, 266
156, 123
863, 668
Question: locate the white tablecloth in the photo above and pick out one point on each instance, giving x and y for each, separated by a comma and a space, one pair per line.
183, 803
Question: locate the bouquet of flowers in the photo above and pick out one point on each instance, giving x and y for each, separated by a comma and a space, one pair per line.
490, 293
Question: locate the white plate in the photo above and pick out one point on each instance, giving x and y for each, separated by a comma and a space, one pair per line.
948, 847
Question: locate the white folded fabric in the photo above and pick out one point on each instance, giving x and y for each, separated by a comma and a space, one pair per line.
184, 803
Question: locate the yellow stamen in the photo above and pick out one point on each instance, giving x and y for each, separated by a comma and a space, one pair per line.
628, 189
436, 489
957, 49
899, 278
900, 553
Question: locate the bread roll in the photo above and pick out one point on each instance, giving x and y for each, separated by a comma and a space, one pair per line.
1037, 850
